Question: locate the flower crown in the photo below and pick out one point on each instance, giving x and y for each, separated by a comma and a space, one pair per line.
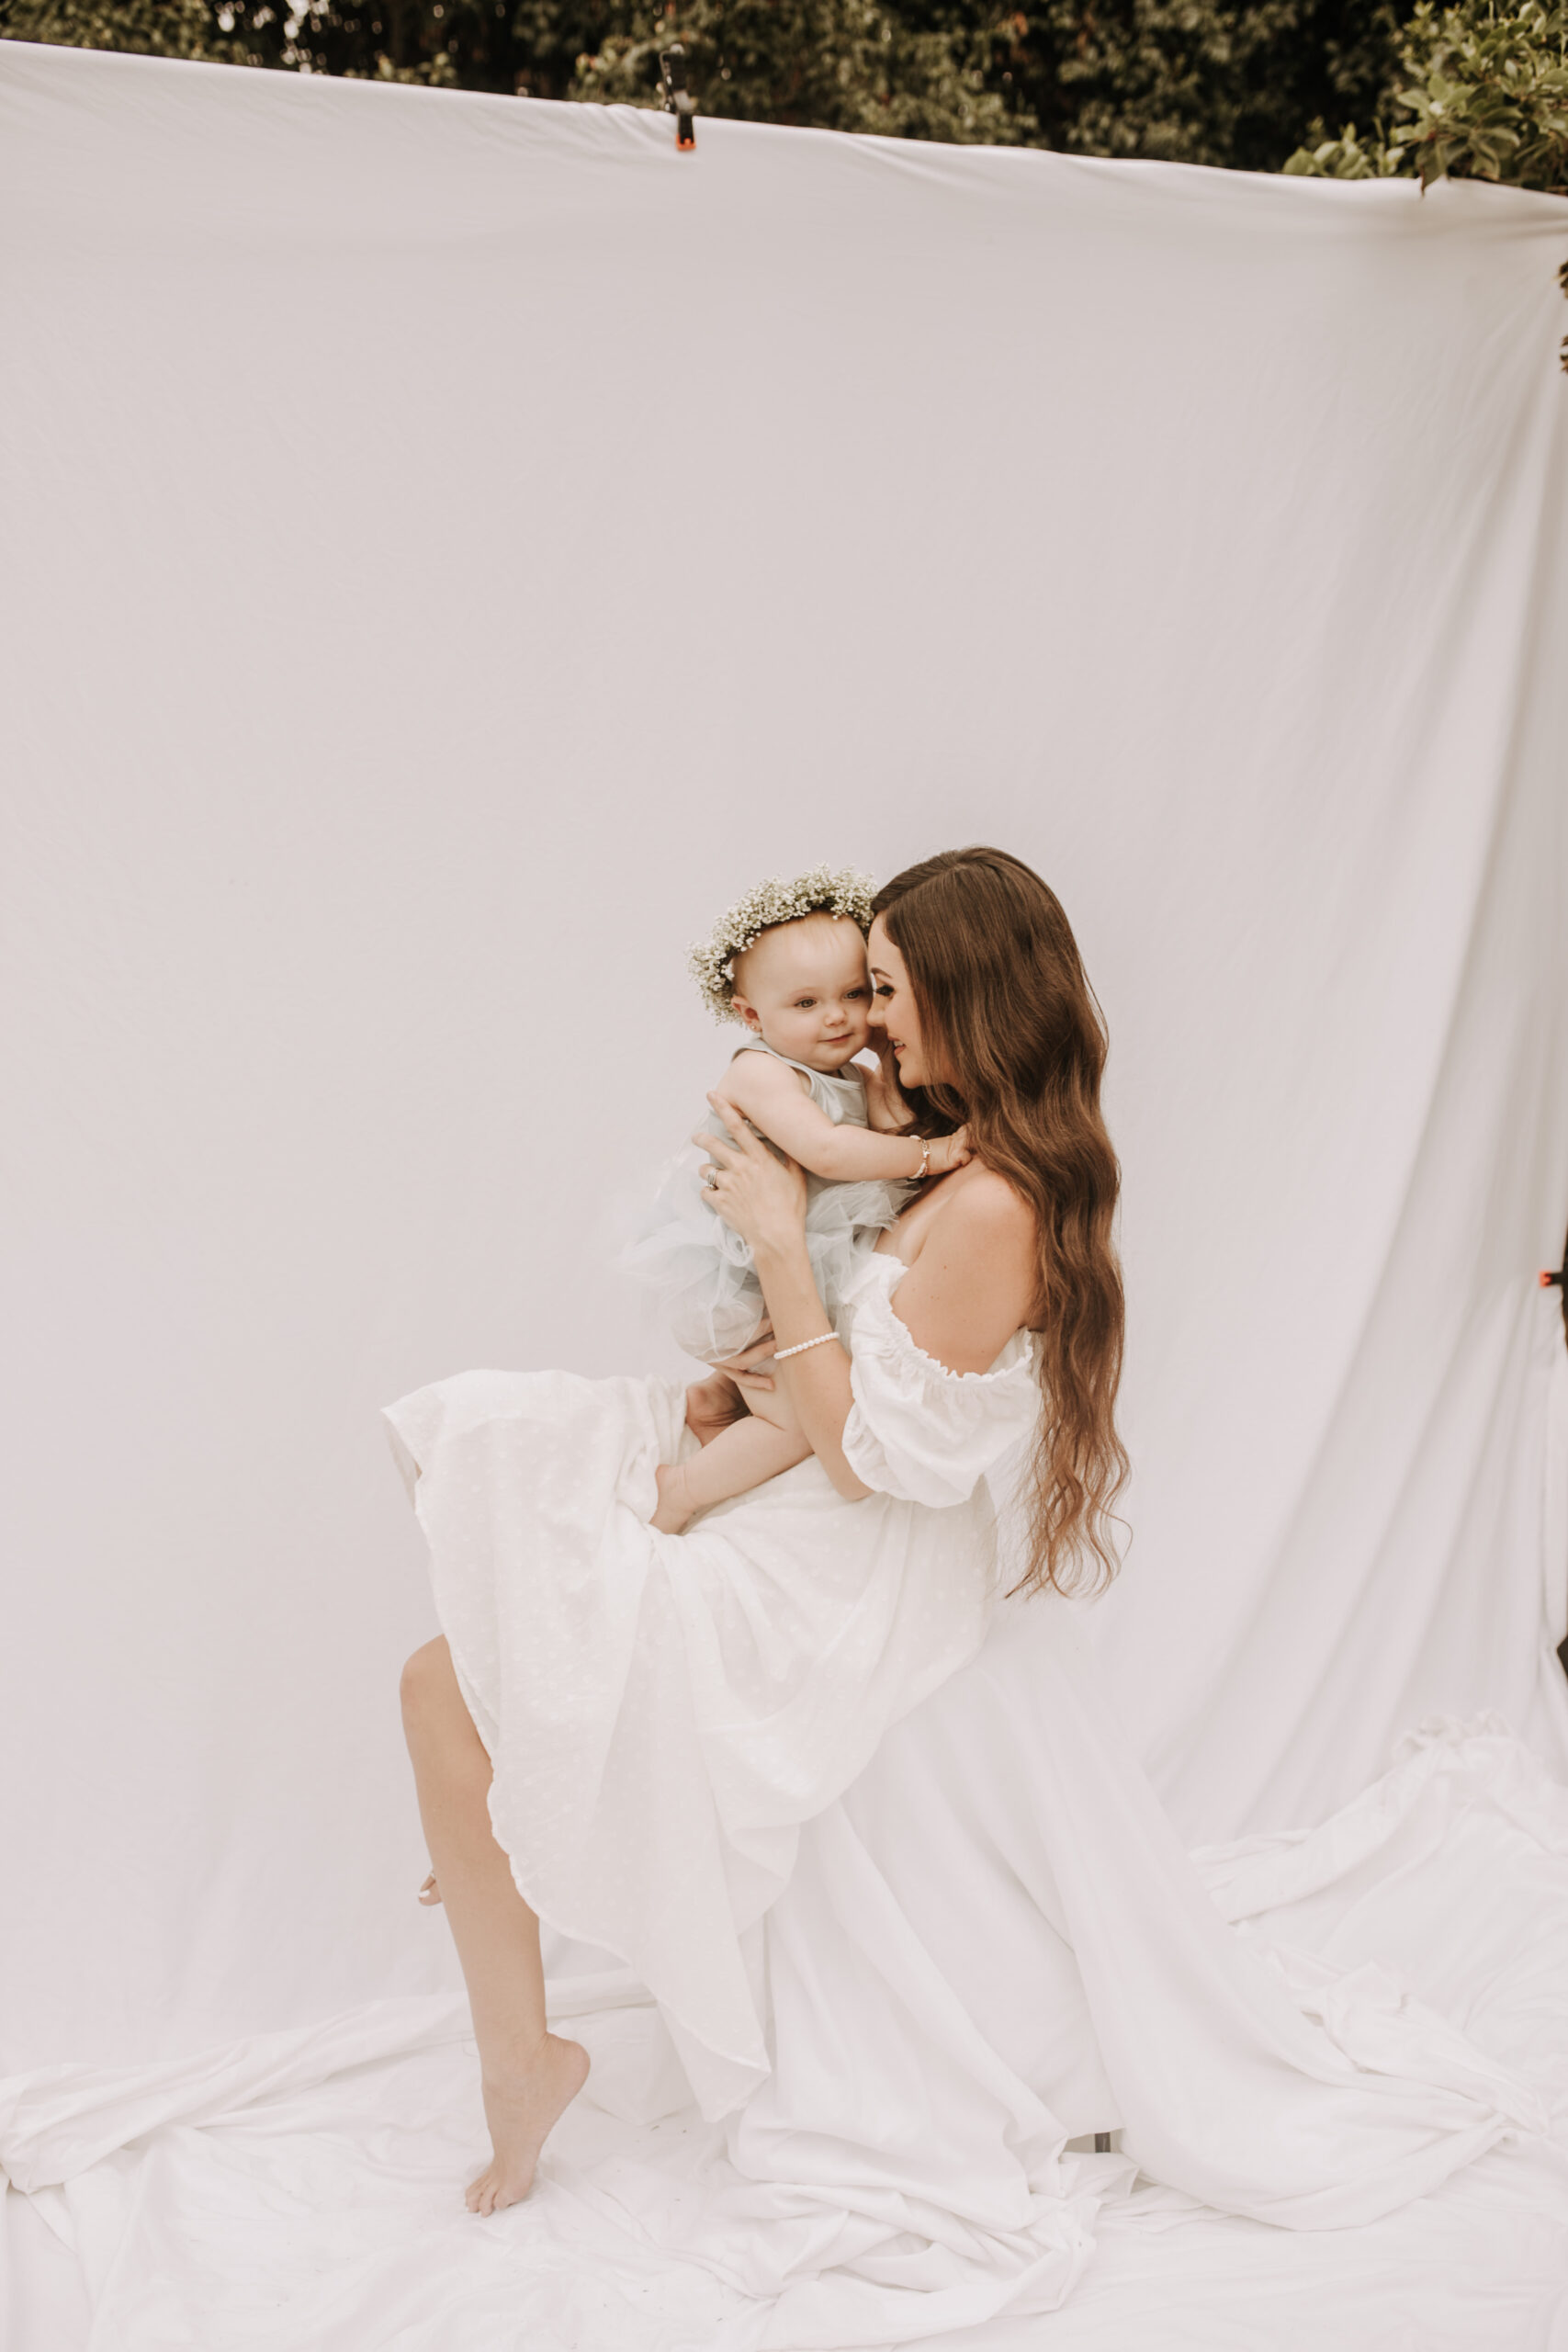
823, 891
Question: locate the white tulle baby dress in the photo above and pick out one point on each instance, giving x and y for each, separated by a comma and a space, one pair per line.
701, 1271
664, 1712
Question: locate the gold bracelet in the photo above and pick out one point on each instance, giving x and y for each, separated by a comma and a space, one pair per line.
801, 1345
924, 1168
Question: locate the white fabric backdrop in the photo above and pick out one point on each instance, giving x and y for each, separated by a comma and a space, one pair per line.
455, 546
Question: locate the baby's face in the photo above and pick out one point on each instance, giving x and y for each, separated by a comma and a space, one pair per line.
805, 987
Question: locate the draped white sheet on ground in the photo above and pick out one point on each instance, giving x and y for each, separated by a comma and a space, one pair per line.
455, 546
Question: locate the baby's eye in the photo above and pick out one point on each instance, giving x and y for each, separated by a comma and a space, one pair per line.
857, 991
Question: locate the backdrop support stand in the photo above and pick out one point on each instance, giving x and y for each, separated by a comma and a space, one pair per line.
677, 98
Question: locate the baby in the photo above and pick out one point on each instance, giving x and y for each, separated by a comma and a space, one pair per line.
789, 963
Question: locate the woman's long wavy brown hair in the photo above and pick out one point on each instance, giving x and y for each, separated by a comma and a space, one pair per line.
1011, 1019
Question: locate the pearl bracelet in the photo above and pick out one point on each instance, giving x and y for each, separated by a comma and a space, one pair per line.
801, 1345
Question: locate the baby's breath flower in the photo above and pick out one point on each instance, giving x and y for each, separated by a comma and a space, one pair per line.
825, 891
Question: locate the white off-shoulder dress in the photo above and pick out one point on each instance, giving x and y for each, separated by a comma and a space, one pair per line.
664, 1712
911, 1927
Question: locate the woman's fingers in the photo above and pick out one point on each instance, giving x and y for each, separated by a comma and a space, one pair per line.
739, 1128
754, 1188
719, 1157
754, 1351
733, 1122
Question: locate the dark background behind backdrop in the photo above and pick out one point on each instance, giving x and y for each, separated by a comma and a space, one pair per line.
1226, 82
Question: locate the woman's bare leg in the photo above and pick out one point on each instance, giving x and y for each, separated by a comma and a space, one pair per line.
529, 2076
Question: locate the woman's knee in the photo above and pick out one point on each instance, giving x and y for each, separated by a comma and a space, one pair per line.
427, 1683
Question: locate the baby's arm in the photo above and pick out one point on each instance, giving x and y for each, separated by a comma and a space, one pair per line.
773, 1098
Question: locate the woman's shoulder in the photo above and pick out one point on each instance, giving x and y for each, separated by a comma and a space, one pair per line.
977, 1277
981, 1205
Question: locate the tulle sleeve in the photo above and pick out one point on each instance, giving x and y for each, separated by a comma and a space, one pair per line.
924, 1434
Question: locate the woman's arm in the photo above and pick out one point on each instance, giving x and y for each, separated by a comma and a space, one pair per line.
971, 1288
763, 1198
815, 1384
773, 1097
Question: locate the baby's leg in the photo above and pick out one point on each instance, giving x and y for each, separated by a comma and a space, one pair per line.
713, 1406
731, 1464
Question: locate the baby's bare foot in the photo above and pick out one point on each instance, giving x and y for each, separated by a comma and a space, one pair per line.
675, 1506
522, 2106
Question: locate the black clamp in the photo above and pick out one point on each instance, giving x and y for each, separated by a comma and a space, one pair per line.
677, 98
1557, 1279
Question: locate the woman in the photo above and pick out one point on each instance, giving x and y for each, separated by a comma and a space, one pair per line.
678, 1733
1031, 1216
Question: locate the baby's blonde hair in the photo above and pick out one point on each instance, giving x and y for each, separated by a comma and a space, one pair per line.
825, 891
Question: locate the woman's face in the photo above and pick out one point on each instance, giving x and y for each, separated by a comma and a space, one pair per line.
893, 1007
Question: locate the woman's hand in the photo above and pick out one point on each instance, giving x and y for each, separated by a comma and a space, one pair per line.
760, 1194
765, 1397
758, 1349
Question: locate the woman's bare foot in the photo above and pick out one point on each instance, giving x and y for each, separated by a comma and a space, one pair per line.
430, 1893
522, 2106
675, 1504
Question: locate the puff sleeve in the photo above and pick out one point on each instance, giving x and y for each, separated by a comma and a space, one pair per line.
924, 1434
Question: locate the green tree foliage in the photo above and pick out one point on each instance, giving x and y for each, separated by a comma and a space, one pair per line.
397, 40
1484, 91
1478, 87
1226, 82
145, 27
839, 64
1197, 81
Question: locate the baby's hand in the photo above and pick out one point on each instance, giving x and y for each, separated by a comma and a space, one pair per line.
886, 1107
949, 1152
